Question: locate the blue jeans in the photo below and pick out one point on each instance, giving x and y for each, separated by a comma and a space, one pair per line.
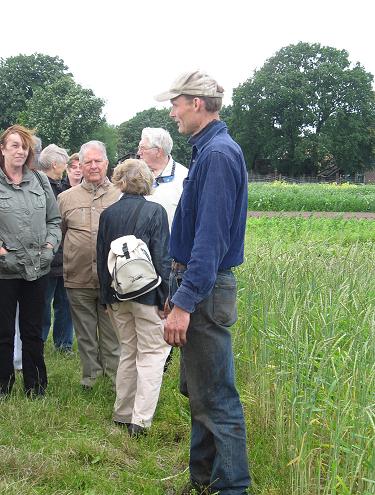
62, 324
218, 456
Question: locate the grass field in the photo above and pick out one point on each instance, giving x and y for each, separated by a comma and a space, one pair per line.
283, 196
305, 355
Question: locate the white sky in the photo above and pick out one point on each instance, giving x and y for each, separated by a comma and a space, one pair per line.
127, 51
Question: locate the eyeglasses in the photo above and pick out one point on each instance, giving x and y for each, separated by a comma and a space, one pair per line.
146, 148
162, 179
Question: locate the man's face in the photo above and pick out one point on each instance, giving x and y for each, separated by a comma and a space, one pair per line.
147, 152
184, 114
94, 166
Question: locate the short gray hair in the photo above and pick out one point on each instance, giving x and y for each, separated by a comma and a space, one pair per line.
158, 137
92, 144
50, 155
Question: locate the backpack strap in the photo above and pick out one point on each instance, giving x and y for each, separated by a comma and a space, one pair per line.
135, 216
39, 177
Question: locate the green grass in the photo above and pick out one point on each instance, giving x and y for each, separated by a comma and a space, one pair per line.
67, 444
304, 349
282, 196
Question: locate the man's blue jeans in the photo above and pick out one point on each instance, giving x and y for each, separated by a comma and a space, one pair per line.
218, 457
62, 324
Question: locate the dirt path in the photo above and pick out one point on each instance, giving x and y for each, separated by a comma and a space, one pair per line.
315, 214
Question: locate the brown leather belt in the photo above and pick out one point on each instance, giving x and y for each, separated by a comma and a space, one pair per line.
177, 267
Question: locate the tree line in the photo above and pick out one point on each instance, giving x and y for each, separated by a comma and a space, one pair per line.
39, 92
308, 108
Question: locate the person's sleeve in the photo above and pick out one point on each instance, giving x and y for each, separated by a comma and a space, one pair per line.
53, 218
60, 204
158, 246
101, 259
215, 210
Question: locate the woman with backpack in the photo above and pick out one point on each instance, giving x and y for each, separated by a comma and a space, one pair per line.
138, 320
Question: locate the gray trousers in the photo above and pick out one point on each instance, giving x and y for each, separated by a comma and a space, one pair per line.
98, 343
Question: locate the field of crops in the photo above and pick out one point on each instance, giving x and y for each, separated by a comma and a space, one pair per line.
284, 196
305, 358
306, 344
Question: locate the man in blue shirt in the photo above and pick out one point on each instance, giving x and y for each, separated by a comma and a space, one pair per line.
207, 240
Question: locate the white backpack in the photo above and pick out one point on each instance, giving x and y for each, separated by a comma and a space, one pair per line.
131, 268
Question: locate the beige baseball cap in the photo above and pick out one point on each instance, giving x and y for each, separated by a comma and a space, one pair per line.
194, 83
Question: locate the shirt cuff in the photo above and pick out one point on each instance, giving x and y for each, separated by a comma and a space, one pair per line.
185, 299
54, 241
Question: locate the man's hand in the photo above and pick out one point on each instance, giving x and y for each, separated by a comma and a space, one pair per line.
176, 327
3, 251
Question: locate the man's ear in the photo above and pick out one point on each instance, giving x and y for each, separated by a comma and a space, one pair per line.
198, 104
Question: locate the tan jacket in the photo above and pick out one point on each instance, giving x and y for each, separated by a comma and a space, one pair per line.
80, 209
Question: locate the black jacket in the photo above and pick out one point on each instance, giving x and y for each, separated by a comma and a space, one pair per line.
57, 263
65, 183
152, 227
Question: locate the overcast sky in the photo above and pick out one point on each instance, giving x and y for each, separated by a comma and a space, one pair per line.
127, 51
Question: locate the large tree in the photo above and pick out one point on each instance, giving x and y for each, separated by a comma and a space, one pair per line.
64, 113
306, 108
20, 76
129, 133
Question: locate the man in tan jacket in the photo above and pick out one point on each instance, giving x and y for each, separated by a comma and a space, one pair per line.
80, 209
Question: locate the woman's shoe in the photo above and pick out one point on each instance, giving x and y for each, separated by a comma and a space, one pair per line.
136, 430
121, 424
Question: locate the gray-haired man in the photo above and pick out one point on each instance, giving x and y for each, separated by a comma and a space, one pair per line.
155, 149
80, 209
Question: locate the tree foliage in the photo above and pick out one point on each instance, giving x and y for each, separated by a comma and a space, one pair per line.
129, 133
38, 91
20, 77
306, 108
63, 113
108, 134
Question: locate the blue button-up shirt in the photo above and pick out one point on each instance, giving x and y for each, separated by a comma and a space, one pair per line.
209, 225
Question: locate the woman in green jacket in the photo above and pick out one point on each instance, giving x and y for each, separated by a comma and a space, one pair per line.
29, 236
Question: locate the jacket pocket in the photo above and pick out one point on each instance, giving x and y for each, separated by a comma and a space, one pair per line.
188, 196
11, 263
46, 257
38, 199
6, 201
